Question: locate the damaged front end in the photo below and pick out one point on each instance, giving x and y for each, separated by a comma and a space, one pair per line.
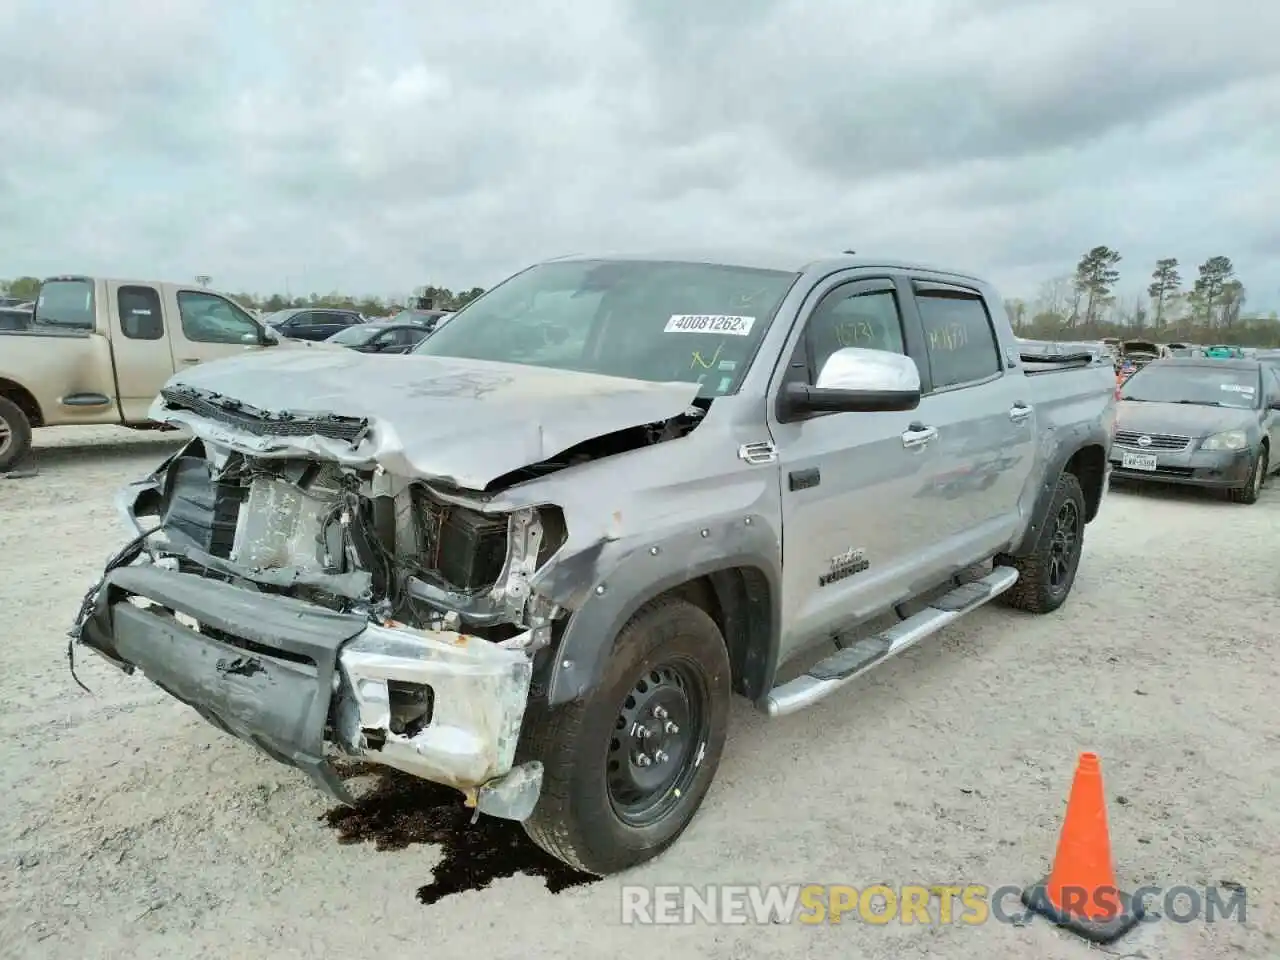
320, 609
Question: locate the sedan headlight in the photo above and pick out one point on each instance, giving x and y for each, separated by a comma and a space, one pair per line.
1230, 440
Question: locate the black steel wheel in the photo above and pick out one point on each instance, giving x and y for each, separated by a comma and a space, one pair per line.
626, 766
653, 752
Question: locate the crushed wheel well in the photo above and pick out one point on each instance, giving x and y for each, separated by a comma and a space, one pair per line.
1089, 466
739, 601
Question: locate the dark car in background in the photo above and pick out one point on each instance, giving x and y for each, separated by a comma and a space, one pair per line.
14, 318
311, 323
1202, 422
431, 319
375, 337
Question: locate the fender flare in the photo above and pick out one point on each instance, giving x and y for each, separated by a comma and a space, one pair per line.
649, 570
1064, 451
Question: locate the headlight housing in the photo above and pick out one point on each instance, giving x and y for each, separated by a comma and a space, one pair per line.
1228, 440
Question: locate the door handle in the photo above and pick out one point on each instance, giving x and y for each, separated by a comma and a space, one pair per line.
1019, 412
190, 360
918, 435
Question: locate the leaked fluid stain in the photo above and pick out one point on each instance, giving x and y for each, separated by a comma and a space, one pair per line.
400, 811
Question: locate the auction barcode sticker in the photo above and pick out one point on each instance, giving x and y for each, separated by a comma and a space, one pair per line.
709, 323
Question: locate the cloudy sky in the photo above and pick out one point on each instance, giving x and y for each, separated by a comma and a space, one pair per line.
371, 147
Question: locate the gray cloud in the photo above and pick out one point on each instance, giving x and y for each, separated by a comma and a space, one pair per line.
376, 147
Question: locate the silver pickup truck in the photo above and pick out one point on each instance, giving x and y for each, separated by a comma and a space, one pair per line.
534, 559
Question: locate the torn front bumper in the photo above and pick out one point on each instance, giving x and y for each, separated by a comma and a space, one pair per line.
291, 677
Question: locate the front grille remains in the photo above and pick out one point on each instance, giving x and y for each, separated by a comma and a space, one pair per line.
1159, 441
262, 423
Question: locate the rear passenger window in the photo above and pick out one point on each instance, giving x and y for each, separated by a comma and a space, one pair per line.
852, 316
959, 335
140, 317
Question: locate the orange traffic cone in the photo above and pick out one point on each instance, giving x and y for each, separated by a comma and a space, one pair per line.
1080, 893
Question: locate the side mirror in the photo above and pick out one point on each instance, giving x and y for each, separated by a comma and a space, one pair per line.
266, 337
857, 380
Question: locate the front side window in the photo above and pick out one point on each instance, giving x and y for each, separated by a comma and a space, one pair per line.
642, 319
852, 316
65, 303
207, 318
1207, 386
959, 337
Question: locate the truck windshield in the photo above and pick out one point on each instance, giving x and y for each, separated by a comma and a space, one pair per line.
1207, 386
65, 303
648, 320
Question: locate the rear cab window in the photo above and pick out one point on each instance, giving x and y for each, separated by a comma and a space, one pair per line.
960, 337
66, 303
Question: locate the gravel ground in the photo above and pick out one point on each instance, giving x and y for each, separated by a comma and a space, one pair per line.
131, 828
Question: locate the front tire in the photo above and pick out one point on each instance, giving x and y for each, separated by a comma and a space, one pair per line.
626, 768
1048, 571
1252, 489
15, 434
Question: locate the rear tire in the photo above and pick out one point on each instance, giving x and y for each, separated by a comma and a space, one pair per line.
1252, 489
1047, 572
15, 434
664, 696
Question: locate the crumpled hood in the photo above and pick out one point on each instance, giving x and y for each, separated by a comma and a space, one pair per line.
466, 422
1180, 419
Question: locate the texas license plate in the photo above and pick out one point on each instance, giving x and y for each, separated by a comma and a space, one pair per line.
1138, 461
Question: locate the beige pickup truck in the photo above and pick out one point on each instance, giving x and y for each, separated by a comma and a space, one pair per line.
98, 351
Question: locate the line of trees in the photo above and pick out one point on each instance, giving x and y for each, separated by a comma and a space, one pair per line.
442, 298
1085, 305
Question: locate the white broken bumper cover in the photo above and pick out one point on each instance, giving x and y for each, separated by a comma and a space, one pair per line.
290, 677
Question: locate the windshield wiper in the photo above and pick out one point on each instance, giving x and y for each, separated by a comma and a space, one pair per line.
1204, 403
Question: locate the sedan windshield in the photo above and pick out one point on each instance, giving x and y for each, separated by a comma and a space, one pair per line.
356, 335
1201, 385
648, 320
